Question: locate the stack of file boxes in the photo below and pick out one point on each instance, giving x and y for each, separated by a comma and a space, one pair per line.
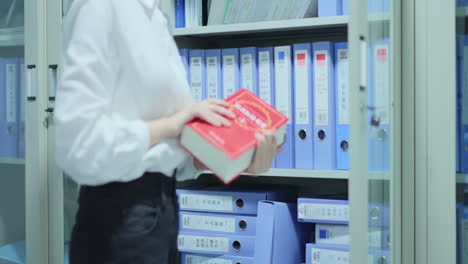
239, 227
12, 110
307, 82
331, 237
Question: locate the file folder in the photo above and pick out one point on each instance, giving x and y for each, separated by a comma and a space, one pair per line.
342, 105
330, 211
280, 238
338, 235
325, 254
180, 13
248, 69
266, 80
190, 258
217, 223
345, 7
462, 50
213, 73
197, 73
8, 113
234, 245
184, 54
232, 202
324, 106
303, 126
380, 136
230, 73
330, 8
284, 96
21, 108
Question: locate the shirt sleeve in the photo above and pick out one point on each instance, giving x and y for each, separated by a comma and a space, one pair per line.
93, 145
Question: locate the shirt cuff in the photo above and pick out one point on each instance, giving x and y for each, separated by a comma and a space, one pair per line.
188, 171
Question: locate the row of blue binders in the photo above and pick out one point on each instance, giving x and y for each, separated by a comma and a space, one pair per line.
248, 226
12, 143
330, 234
308, 82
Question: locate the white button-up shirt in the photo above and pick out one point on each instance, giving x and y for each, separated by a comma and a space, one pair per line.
121, 67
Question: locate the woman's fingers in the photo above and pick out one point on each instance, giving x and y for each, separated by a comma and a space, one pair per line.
222, 111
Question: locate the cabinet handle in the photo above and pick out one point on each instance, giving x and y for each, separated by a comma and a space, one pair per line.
52, 81
363, 63
31, 83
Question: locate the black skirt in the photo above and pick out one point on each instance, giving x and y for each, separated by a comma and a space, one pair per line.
134, 222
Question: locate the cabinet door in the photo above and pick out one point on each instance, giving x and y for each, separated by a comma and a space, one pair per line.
376, 155
23, 179
63, 192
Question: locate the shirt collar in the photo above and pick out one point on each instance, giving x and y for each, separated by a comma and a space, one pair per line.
149, 4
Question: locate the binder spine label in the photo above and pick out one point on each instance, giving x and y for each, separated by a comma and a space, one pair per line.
11, 100
343, 87
192, 259
264, 76
324, 212
196, 78
209, 223
321, 87
302, 87
206, 202
247, 77
229, 75
382, 83
283, 88
203, 243
327, 256
212, 76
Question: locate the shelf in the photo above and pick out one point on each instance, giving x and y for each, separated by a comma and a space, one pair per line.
281, 26
313, 174
462, 11
12, 37
462, 178
11, 161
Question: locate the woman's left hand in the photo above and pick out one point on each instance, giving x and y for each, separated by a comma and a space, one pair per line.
266, 150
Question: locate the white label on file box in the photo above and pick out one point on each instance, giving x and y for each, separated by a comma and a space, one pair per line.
209, 223
206, 202
328, 256
283, 81
196, 78
212, 76
264, 76
193, 259
465, 87
229, 75
11, 100
247, 75
343, 87
321, 87
382, 83
324, 212
203, 243
302, 86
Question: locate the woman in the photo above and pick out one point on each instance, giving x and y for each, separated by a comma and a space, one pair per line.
122, 103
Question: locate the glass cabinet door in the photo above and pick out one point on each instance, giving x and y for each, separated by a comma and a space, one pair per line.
12, 141
373, 184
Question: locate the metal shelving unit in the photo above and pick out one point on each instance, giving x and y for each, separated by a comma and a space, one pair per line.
12, 37
12, 161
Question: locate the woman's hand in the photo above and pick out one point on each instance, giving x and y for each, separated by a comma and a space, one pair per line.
265, 152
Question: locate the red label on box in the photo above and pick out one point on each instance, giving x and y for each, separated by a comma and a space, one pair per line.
301, 59
321, 59
382, 55
252, 115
